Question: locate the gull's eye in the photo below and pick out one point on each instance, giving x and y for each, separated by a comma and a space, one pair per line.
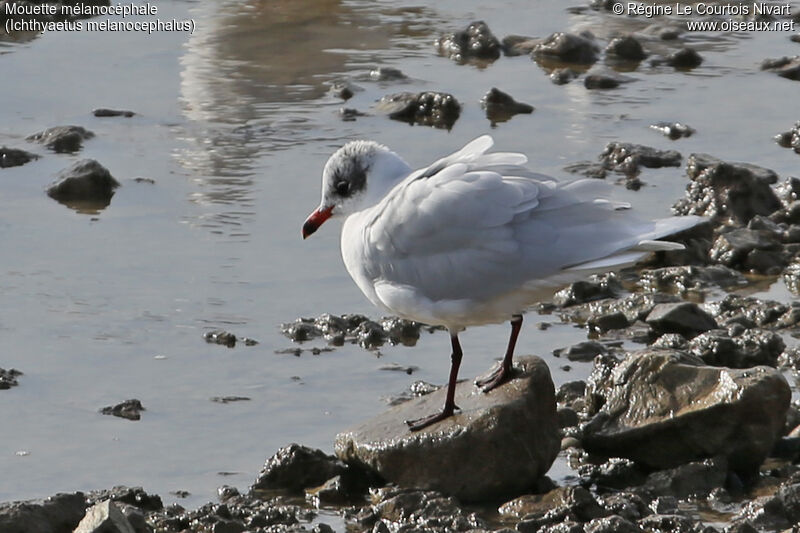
342, 188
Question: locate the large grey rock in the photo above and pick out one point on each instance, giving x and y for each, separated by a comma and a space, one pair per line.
86, 186
567, 48
499, 443
664, 408
104, 517
476, 41
56, 514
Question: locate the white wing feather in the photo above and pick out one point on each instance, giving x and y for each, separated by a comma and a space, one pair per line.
460, 231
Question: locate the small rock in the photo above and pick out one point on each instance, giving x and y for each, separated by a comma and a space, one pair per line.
611, 524
779, 512
104, 112
576, 502
625, 48
387, 74
62, 139
85, 186
344, 89
752, 347
603, 322
8, 378
349, 114
626, 158
432, 458
745, 248
685, 318
684, 59
13, 157
583, 351
440, 110
567, 48
595, 288
295, 468
728, 192
616, 474
605, 80
218, 336
663, 409
104, 517
476, 41
785, 67
500, 106
229, 399
130, 409
673, 130
691, 480
690, 278
790, 139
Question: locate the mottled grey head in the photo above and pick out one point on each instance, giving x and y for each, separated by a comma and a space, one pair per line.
355, 177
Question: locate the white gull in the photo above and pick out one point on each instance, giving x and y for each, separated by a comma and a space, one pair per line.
474, 238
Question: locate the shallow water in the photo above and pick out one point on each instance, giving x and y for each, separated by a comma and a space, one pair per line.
234, 124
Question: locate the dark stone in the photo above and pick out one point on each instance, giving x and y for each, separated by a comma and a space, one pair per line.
778, 512
130, 409
627, 505
440, 110
751, 348
692, 480
729, 192
567, 48
344, 89
752, 311
86, 186
790, 139
57, 514
785, 67
595, 288
229, 399
663, 408
387, 74
500, 106
494, 430
684, 59
674, 523
218, 336
583, 351
611, 524
62, 139
420, 510
576, 503
685, 318
608, 321
349, 114
13, 157
625, 48
750, 250
615, 474
605, 80
104, 112
295, 468
683, 279
476, 41
626, 158
8, 378
673, 130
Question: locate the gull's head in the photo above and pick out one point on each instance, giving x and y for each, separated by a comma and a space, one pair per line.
355, 177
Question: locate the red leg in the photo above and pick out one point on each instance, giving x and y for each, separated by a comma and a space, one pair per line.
450, 402
502, 373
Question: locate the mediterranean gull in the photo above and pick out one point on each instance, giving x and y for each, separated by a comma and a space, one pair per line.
474, 238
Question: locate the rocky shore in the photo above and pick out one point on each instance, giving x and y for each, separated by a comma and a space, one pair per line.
685, 424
